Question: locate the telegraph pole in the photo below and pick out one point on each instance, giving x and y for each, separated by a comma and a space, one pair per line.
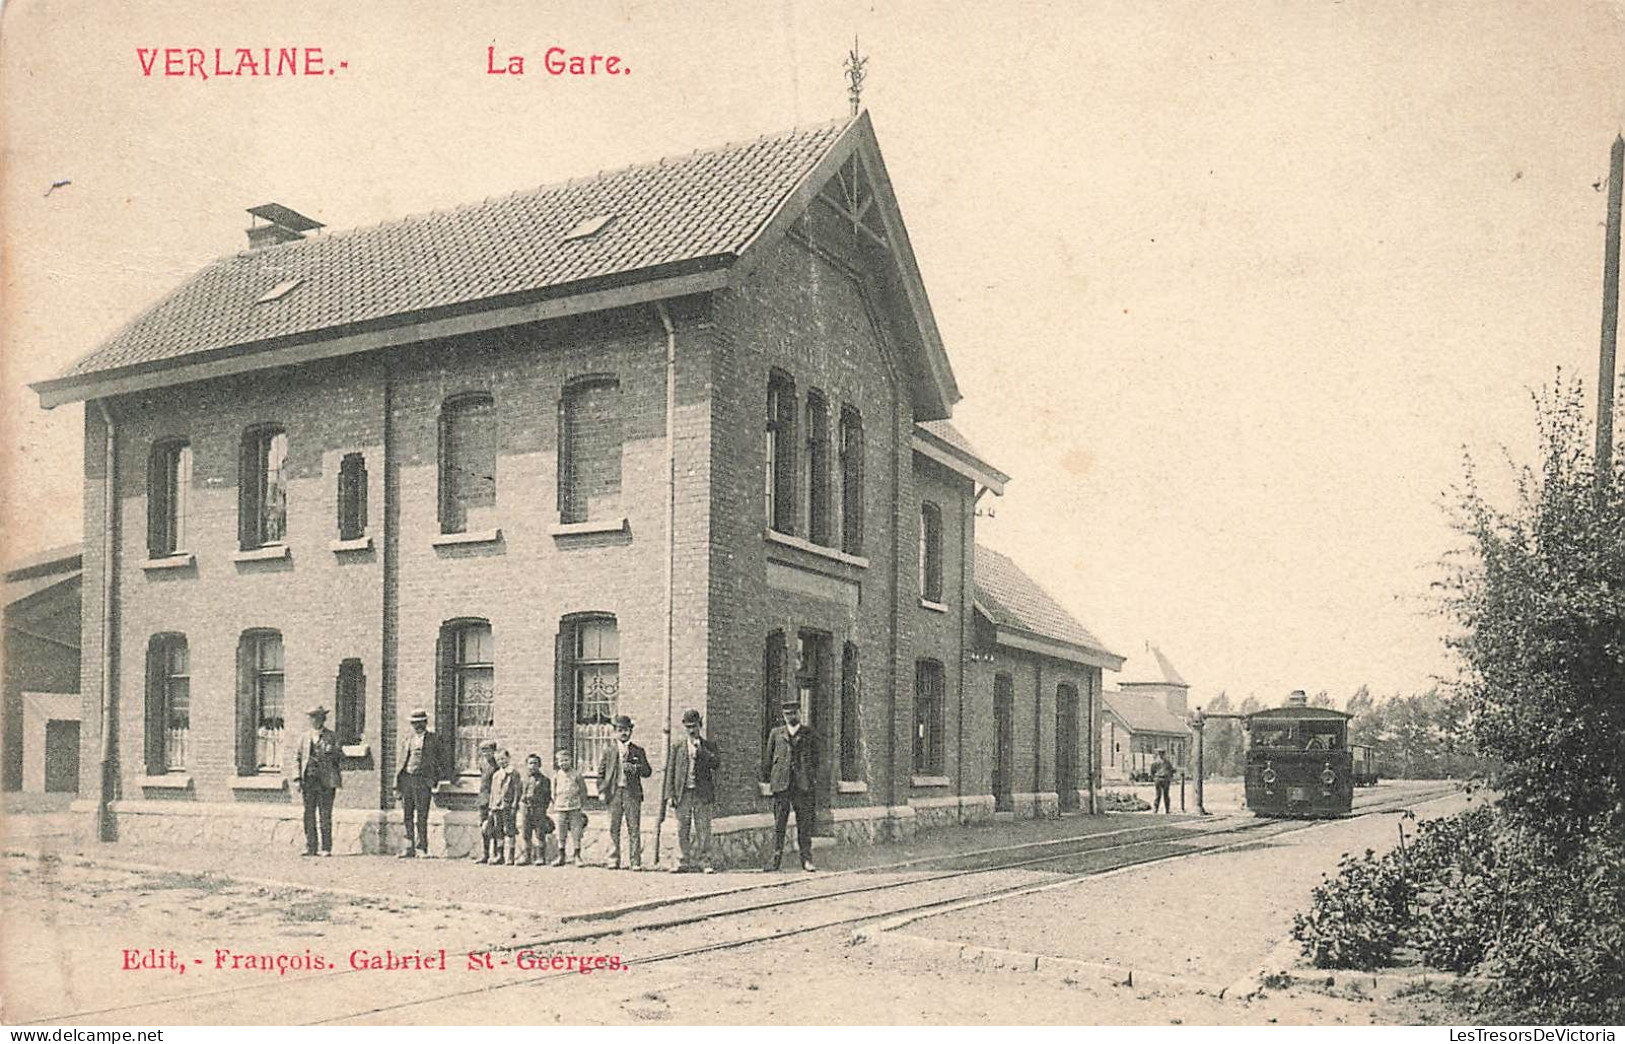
1610, 318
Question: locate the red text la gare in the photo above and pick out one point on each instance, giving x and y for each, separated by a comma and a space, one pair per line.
557, 62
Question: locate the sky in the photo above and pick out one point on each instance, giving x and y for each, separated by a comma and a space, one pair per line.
1231, 290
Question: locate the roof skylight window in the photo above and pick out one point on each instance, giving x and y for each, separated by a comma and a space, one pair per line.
279, 291
589, 227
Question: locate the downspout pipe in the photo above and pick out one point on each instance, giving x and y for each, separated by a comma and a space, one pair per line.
105, 827
671, 540
967, 602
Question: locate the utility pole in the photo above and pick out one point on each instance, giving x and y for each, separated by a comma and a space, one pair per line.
1610, 318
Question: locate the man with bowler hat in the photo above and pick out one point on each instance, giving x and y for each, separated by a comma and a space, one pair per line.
790, 769
691, 772
316, 774
621, 772
421, 766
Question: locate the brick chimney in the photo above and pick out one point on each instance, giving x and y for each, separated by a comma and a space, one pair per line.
281, 225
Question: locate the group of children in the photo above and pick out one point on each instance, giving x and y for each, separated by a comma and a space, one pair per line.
513, 808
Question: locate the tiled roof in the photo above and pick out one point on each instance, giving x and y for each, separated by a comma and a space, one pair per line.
1151, 667
1143, 713
1013, 599
706, 205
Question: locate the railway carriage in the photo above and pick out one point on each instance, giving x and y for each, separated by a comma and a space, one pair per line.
1298, 761
1365, 765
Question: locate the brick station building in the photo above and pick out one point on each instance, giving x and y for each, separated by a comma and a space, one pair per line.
672, 436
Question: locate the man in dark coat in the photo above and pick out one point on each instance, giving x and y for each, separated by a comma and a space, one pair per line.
1162, 775
422, 763
316, 774
790, 765
691, 773
621, 772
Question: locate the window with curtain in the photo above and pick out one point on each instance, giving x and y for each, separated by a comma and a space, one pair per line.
169, 704
928, 718
593, 678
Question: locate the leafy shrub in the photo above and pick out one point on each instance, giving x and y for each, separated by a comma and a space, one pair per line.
1357, 917
1120, 801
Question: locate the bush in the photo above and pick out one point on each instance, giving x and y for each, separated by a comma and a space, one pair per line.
1118, 801
1357, 918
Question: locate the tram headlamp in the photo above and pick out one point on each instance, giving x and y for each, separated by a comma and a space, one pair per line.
1328, 777
1269, 774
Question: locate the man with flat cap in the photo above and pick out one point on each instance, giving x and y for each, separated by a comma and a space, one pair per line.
621, 772
691, 773
316, 774
421, 767
790, 769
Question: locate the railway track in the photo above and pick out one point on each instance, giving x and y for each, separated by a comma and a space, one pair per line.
857, 899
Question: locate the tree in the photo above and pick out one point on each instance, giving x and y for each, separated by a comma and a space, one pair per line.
1540, 604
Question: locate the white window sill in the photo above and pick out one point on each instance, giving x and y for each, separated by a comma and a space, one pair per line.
851, 786
773, 536
930, 781
179, 560
479, 536
600, 525
268, 553
356, 750
264, 781
463, 786
360, 543
168, 781
935, 607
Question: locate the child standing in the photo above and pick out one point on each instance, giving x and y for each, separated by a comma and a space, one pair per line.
534, 796
488, 768
504, 804
569, 797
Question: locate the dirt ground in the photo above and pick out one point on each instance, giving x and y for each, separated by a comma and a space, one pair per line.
1182, 926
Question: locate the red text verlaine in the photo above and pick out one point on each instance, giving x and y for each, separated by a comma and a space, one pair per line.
205, 62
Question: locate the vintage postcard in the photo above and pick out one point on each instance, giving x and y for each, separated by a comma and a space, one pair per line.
736, 514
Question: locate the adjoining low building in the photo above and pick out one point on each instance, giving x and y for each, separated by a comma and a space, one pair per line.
1146, 714
41, 676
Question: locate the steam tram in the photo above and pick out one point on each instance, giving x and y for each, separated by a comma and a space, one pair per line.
1298, 761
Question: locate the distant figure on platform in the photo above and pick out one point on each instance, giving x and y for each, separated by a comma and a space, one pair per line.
569, 798
790, 769
316, 773
421, 766
1162, 774
691, 770
621, 772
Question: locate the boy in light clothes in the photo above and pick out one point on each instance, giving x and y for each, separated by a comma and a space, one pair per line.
569, 798
504, 806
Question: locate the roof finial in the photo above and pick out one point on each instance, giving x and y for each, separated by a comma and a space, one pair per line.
855, 64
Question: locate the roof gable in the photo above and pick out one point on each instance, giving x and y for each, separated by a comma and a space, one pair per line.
1142, 713
1152, 668
674, 221
1012, 600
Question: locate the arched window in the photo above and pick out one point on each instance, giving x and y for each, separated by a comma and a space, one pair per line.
350, 703
169, 482
590, 449
851, 754
262, 488
773, 657
353, 497
930, 552
169, 703
468, 463
851, 481
818, 476
260, 703
465, 700
928, 718
779, 452
589, 687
